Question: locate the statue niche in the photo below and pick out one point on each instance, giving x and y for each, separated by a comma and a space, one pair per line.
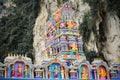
19, 70
56, 71
102, 73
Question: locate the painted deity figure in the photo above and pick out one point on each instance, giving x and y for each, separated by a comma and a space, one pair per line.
102, 73
19, 71
74, 46
13, 71
26, 72
57, 16
56, 73
62, 72
62, 25
84, 74
50, 51
69, 25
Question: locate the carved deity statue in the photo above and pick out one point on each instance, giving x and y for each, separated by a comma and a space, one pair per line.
56, 73
69, 25
102, 73
19, 71
62, 72
26, 72
84, 74
13, 71
74, 48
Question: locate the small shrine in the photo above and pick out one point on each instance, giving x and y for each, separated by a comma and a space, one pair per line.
113, 71
100, 69
56, 70
18, 66
39, 71
73, 72
85, 70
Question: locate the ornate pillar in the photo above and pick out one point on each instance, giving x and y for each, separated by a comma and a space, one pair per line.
33, 73
90, 74
43, 73
9, 71
108, 76
30, 72
46, 73
5, 72
95, 74
77, 74
80, 74
66, 74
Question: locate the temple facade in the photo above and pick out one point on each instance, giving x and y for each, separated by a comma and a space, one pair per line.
63, 57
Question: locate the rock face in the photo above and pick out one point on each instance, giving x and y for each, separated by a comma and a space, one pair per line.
47, 7
39, 31
110, 48
6, 7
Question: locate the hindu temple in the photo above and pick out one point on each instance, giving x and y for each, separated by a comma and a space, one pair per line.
64, 55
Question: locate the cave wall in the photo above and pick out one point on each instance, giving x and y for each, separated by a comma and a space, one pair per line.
111, 47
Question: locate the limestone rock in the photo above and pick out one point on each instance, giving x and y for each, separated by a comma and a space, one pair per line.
47, 7
111, 48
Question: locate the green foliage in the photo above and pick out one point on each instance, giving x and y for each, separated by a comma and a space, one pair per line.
16, 29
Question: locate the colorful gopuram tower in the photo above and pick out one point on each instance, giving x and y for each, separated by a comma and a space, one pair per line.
63, 41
